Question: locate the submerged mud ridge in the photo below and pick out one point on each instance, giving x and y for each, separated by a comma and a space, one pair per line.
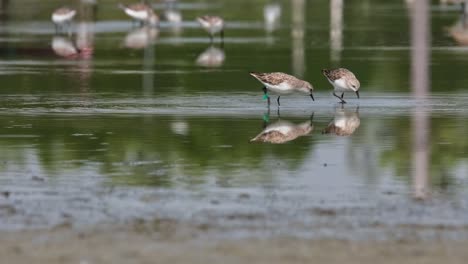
172, 242
240, 214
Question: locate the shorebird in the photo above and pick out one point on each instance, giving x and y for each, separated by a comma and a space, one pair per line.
282, 83
283, 131
271, 15
64, 47
211, 57
140, 38
344, 123
343, 81
213, 25
141, 12
62, 16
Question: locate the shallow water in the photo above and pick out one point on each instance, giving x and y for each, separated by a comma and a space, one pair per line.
157, 124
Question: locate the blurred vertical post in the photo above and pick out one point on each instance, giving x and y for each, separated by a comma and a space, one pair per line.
297, 34
336, 29
85, 42
465, 13
3, 10
420, 51
148, 66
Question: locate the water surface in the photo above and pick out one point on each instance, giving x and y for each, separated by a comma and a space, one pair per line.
149, 123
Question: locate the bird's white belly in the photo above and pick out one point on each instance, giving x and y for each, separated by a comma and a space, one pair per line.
282, 88
341, 86
140, 15
281, 128
340, 122
216, 28
58, 19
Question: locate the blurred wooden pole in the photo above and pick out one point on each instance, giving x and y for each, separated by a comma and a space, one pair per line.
297, 34
420, 39
336, 29
420, 75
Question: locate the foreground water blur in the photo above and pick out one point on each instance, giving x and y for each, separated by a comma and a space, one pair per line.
148, 123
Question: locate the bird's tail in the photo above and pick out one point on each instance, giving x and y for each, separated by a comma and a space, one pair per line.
325, 72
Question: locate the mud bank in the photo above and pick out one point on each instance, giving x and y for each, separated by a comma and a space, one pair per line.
171, 242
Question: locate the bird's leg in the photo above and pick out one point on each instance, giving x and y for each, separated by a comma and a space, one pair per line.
312, 117
357, 93
222, 36
342, 95
277, 100
342, 101
69, 26
266, 118
278, 113
265, 95
56, 28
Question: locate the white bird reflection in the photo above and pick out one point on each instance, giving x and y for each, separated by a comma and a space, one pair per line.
283, 131
212, 57
271, 14
174, 17
459, 31
142, 37
344, 123
64, 47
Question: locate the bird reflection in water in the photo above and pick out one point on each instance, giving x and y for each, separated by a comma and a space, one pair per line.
174, 18
212, 57
64, 47
459, 31
344, 123
141, 38
271, 15
283, 131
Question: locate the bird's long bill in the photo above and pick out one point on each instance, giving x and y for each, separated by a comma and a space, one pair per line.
312, 96
357, 93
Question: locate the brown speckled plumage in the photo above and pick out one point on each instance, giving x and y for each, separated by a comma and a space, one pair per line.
63, 11
345, 123
275, 78
211, 19
139, 7
276, 134
335, 74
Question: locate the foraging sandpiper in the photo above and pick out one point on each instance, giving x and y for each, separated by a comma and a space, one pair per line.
282, 83
344, 122
213, 25
343, 81
141, 12
211, 57
61, 16
283, 131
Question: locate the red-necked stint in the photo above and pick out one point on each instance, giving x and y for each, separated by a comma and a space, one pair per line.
343, 80
141, 12
283, 131
344, 123
213, 25
63, 15
282, 83
63, 47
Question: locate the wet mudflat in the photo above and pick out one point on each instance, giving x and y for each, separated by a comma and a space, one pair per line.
165, 137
